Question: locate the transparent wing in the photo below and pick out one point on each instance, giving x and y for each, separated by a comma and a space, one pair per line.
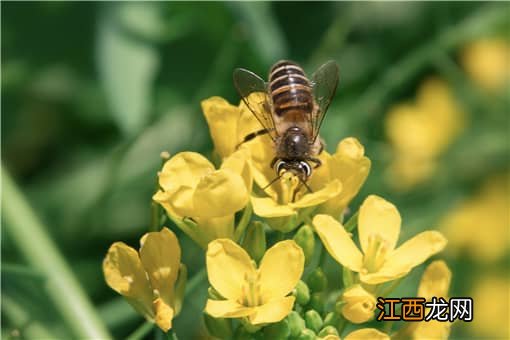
253, 91
324, 83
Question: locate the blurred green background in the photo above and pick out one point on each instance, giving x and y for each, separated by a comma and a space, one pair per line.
93, 92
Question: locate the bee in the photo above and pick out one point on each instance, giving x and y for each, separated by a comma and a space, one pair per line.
291, 111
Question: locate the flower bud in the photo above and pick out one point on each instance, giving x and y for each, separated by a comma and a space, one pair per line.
317, 281
255, 240
306, 240
296, 323
317, 302
359, 305
328, 330
302, 293
218, 327
279, 330
307, 334
313, 320
331, 319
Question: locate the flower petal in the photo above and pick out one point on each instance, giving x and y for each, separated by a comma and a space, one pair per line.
227, 267
351, 167
185, 168
432, 329
435, 281
332, 189
222, 118
273, 311
267, 207
378, 217
161, 257
409, 255
123, 272
239, 163
164, 314
221, 193
338, 242
227, 309
367, 333
280, 270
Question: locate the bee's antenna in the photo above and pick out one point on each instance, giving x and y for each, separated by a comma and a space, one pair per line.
272, 182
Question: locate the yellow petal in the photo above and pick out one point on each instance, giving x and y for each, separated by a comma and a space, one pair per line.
161, 257
185, 168
222, 119
221, 193
378, 217
267, 207
227, 309
435, 281
227, 267
351, 167
164, 314
273, 311
338, 242
123, 272
180, 202
432, 330
215, 227
280, 270
239, 162
409, 255
359, 304
332, 189
367, 334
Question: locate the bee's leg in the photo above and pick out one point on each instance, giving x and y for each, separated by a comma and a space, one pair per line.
317, 161
321, 148
252, 135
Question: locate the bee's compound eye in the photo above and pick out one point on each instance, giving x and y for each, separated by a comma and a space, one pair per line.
308, 169
280, 167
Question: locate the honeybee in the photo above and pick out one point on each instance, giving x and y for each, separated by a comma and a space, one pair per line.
291, 112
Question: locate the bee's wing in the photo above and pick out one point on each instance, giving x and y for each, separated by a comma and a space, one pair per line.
324, 83
253, 91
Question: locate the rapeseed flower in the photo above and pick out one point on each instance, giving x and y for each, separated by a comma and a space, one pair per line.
487, 62
489, 206
148, 278
435, 282
333, 184
260, 295
379, 260
202, 200
420, 132
359, 305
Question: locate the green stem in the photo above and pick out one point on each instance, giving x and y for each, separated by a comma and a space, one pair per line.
391, 288
33, 242
194, 282
352, 222
243, 223
141, 331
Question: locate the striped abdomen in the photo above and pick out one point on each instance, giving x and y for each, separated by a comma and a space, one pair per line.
291, 93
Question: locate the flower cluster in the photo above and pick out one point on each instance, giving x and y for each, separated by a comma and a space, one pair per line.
266, 271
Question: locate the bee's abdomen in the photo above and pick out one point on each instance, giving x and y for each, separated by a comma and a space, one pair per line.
290, 90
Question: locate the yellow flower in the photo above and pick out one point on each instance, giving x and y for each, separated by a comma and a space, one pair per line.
490, 296
435, 282
367, 334
147, 279
260, 295
350, 166
419, 132
347, 168
487, 62
359, 304
466, 226
378, 227
192, 189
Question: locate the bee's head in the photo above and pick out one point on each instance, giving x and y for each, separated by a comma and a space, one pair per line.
300, 169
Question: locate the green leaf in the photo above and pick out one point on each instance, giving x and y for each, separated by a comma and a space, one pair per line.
127, 68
